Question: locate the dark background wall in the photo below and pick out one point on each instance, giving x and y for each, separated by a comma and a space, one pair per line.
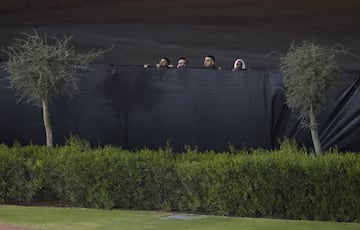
135, 107
143, 30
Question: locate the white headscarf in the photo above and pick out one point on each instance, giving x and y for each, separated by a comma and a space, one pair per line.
242, 63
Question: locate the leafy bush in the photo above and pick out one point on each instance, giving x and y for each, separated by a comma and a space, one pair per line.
287, 183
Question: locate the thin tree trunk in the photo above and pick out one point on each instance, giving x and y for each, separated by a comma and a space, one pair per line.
47, 124
314, 132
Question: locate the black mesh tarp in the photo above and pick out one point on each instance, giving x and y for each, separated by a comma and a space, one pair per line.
134, 107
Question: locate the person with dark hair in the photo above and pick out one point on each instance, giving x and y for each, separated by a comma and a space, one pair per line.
239, 64
163, 63
182, 63
209, 62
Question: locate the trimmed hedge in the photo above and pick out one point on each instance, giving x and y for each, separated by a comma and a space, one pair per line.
287, 183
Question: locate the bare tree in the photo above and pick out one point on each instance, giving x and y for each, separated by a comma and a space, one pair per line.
309, 71
41, 68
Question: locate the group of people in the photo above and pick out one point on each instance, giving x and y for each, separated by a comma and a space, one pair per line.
209, 62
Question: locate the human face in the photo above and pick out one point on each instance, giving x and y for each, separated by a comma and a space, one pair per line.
238, 65
163, 62
208, 62
181, 63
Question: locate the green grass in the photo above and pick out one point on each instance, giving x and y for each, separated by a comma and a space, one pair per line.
71, 218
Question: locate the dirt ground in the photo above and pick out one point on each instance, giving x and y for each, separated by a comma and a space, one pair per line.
143, 31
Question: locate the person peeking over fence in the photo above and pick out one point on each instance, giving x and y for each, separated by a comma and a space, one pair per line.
163, 63
239, 64
182, 63
209, 61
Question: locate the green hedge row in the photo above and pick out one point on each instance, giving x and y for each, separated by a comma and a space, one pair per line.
287, 183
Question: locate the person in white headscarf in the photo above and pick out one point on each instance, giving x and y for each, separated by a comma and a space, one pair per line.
239, 64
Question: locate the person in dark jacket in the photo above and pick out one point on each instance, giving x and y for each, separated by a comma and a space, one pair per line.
209, 62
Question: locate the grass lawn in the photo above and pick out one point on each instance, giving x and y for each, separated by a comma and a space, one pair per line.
71, 218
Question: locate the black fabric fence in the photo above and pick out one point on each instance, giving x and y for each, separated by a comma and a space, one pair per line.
133, 107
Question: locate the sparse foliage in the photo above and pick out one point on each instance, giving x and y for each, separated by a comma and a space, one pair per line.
309, 70
41, 68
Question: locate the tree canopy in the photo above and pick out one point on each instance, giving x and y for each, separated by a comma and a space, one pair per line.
309, 70
42, 67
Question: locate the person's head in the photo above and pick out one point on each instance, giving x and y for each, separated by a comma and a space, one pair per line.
182, 62
209, 61
239, 64
164, 62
